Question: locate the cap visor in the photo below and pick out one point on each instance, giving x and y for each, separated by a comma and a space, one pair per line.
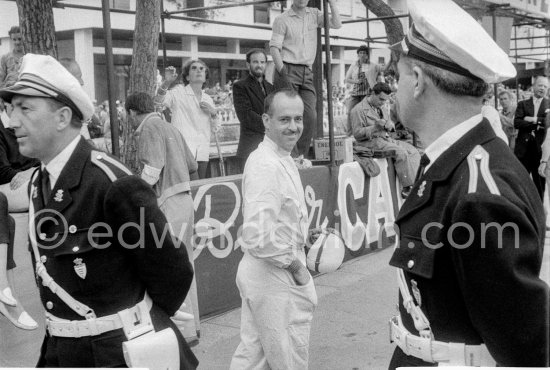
8, 93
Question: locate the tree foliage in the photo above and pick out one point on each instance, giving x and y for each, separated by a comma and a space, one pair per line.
37, 26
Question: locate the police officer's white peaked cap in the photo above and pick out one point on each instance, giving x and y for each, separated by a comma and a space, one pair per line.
43, 76
446, 36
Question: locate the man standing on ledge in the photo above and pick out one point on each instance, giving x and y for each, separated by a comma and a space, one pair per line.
248, 98
92, 228
471, 232
293, 47
277, 291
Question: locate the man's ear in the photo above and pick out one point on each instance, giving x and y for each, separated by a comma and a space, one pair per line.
420, 83
265, 119
65, 115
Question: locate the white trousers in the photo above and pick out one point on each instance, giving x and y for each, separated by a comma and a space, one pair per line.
275, 318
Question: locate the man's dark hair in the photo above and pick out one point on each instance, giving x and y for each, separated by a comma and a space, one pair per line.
381, 87
291, 93
140, 102
255, 51
56, 104
187, 68
14, 29
363, 48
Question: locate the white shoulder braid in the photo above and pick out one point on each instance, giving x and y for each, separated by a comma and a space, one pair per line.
478, 161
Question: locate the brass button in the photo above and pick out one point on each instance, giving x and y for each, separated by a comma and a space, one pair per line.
99, 157
72, 229
76, 248
43, 259
42, 236
410, 264
49, 305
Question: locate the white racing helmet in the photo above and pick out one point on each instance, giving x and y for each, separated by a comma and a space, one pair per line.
327, 252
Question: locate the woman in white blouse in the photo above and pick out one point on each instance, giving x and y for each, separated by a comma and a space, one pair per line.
193, 111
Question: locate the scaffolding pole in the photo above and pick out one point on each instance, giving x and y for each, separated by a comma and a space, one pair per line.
328, 70
110, 76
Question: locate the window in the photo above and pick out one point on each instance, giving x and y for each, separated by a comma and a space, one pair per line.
261, 13
196, 4
119, 4
381, 60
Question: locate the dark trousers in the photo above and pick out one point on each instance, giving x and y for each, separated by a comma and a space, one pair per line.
7, 230
300, 78
400, 359
531, 163
203, 166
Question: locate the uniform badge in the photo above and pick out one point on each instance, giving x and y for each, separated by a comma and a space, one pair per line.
421, 189
416, 292
58, 196
80, 268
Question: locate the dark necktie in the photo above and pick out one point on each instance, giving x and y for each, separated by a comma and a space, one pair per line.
46, 187
380, 114
424, 161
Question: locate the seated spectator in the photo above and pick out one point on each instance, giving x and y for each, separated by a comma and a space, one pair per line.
370, 122
15, 168
9, 306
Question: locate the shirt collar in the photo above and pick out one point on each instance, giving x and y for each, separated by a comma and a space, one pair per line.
451, 136
293, 13
57, 164
270, 144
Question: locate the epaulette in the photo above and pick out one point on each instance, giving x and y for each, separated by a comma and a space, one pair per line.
112, 168
478, 162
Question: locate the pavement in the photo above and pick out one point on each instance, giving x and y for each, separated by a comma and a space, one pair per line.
349, 329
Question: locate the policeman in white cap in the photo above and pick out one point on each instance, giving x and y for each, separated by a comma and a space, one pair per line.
471, 232
100, 280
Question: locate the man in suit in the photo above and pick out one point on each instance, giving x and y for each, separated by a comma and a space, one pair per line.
471, 233
370, 124
103, 273
530, 121
248, 98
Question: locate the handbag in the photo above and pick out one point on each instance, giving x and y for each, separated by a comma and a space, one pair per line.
146, 348
154, 350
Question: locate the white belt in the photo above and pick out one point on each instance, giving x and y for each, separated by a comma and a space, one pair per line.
84, 328
435, 351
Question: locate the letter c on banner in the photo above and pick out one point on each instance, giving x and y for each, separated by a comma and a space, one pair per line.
352, 175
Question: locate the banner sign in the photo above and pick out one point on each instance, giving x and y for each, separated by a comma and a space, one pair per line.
362, 209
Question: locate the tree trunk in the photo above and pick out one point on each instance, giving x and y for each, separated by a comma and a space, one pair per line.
37, 27
143, 70
394, 28
146, 44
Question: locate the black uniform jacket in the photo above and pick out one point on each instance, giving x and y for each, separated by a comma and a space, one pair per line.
473, 287
100, 235
248, 99
530, 136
